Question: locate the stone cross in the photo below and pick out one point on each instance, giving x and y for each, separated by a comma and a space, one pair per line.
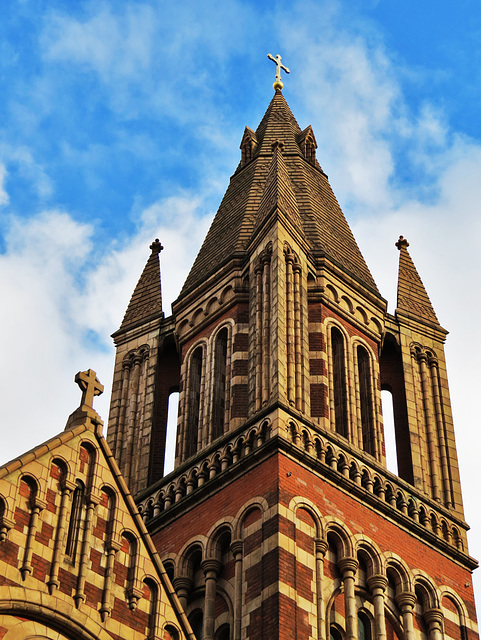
90, 386
278, 84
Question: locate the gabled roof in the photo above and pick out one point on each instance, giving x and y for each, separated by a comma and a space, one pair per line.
146, 300
412, 298
71, 586
320, 219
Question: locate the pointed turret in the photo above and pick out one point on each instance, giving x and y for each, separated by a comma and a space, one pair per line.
146, 301
412, 298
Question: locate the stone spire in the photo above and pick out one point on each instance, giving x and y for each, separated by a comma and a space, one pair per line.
412, 299
319, 219
278, 192
146, 301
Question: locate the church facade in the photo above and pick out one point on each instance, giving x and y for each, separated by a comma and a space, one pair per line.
280, 519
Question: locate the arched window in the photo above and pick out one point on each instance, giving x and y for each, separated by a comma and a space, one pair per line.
364, 626
339, 382
75, 524
219, 395
335, 633
195, 378
222, 633
365, 393
196, 620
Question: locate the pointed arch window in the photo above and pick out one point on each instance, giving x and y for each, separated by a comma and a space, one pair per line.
76, 519
219, 395
365, 397
339, 382
194, 391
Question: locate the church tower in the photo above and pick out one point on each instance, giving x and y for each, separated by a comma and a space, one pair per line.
280, 519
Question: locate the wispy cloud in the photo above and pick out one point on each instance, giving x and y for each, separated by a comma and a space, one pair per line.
4, 199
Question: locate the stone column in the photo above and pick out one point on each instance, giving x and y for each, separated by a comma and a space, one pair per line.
79, 597
422, 358
258, 336
321, 549
132, 420
378, 584
124, 395
36, 507
237, 548
266, 319
434, 619
448, 499
406, 601
348, 567
182, 586
111, 551
290, 330
211, 568
297, 336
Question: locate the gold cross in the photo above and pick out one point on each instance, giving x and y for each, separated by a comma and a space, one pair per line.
278, 84
90, 386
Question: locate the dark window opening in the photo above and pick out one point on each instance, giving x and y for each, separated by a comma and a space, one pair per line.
195, 376
339, 379
219, 396
365, 393
76, 519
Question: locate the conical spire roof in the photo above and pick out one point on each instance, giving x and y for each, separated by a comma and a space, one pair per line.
146, 301
299, 180
278, 192
412, 298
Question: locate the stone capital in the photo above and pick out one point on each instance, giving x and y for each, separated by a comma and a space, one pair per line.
237, 547
406, 600
211, 566
321, 547
433, 616
377, 581
182, 583
347, 565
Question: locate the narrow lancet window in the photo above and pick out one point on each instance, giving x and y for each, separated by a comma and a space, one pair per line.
194, 391
365, 393
76, 519
339, 382
219, 395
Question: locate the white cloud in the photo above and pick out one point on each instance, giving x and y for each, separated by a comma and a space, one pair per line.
22, 157
59, 308
114, 45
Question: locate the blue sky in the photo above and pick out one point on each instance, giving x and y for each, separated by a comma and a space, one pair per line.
121, 122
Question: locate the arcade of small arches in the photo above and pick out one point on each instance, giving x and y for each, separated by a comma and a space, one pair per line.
358, 590
335, 461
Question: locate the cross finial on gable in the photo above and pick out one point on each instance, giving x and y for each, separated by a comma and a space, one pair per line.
90, 386
402, 243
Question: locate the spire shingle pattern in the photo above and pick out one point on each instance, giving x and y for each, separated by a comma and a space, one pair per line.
299, 182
